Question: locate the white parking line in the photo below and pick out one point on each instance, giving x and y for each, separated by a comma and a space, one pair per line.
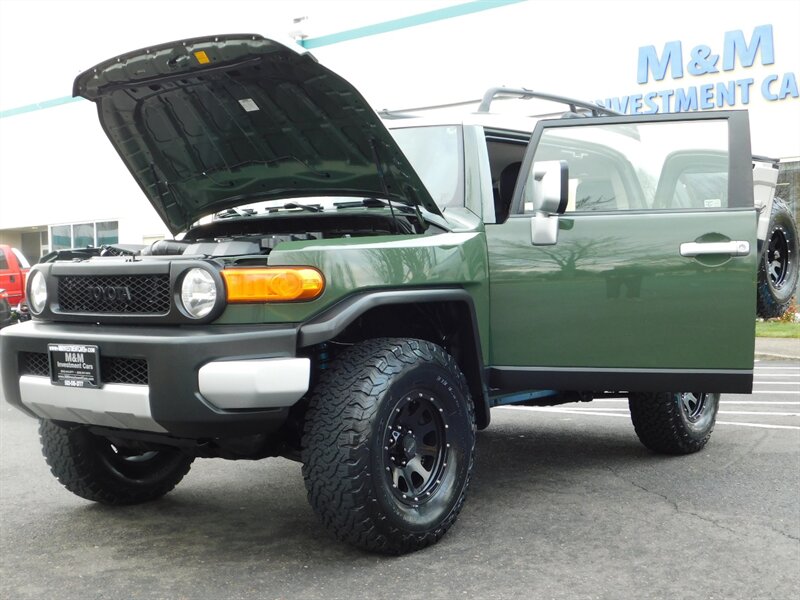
724, 400
577, 409
753, 412
552, 409
777, 382
759, 425
759, 373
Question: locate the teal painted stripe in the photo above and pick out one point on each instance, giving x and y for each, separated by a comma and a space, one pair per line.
21, 110
458, 10
450, 12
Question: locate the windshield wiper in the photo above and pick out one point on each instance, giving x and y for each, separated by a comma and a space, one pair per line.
383, 203
235, 212
315, 208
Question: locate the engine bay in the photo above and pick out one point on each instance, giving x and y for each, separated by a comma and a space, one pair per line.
259, 235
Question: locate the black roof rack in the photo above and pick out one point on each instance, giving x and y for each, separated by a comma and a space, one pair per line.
525, 94
504, 93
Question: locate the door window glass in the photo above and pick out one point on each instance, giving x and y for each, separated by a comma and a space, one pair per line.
659, 165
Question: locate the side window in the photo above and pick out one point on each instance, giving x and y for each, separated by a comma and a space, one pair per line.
657, 165
436, 153
505, 160
3, 261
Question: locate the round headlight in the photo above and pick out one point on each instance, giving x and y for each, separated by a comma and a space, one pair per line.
198, 293
37, 296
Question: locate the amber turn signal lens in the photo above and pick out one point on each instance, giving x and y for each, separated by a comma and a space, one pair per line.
275, 284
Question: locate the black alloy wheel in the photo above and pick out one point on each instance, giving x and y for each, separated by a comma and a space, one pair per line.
777, 258
779, 268
415, 448
94, 468
693, 405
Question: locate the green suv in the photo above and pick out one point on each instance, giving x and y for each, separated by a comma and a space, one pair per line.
358, 297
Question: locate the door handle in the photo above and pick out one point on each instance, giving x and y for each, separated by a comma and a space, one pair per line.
734, 248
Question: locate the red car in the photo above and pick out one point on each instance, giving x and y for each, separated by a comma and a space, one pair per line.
14, 269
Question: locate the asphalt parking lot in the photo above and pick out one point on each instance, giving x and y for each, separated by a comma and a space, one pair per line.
565, 503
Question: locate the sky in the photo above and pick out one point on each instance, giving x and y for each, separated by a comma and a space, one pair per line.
45, 44
586, 49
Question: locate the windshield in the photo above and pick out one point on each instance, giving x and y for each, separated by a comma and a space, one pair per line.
436, 155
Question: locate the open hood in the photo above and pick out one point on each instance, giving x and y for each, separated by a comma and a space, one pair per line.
209, 123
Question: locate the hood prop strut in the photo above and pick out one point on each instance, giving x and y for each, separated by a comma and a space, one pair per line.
376, 157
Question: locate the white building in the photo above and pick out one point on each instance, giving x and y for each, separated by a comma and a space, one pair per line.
62, 184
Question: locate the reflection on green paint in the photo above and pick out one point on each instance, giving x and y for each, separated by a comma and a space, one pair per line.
614, 292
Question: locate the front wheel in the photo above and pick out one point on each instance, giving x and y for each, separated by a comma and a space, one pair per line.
389, 444
93, 468
674, 422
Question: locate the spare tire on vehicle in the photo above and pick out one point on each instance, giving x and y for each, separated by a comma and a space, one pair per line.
778, 267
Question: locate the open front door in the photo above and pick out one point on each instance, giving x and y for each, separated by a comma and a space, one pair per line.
649, 281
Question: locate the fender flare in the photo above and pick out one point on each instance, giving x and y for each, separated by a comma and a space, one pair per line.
334, 320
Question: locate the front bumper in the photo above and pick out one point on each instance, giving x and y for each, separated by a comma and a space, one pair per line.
199, 382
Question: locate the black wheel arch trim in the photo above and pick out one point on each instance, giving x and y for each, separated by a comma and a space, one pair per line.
333, 321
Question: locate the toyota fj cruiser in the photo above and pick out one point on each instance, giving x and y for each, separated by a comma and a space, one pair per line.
358, 298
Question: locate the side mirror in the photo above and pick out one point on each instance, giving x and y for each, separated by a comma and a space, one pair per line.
550, 194
550, 186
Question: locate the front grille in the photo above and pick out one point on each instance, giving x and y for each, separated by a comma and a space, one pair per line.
123, 370
113, 369
120, 294
34, 363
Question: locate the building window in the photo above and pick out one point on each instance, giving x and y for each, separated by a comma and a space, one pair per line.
81, 235
61, 237
107, 232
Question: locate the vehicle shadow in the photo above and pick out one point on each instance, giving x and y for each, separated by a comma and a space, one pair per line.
244, 512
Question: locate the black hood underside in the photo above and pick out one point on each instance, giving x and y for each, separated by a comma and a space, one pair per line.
211, 123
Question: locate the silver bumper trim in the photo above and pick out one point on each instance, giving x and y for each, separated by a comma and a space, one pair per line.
254, 384
114, 405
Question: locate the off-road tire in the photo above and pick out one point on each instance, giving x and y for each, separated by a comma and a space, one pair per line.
778, 266
664, 425
353, 481
91, 467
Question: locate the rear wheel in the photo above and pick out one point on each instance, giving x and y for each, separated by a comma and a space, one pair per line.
92, 467
389, 444
674, 422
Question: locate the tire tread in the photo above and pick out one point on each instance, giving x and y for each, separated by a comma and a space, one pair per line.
659, 425
74, 463
336, 455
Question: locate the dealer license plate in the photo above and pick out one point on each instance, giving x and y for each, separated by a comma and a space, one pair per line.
74, 365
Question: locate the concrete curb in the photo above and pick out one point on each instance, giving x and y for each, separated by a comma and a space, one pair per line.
777, 348
770, 356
